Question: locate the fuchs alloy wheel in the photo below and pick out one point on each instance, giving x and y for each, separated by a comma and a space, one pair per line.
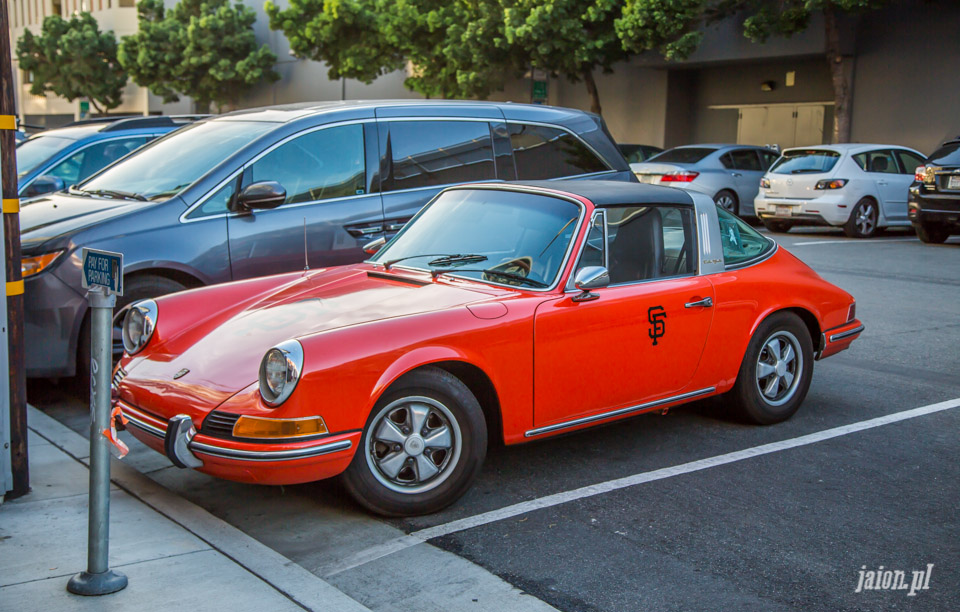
422, 447
776, 371
863, 220
727, 200
931, 234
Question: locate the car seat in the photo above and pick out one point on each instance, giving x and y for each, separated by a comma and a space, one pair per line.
637, 251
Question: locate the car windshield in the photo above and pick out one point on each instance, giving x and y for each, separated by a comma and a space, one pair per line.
807, 161
684, 155
174, 162
947, 154
33, 152
497, 236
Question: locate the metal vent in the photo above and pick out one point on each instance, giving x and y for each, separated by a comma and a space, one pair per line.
118, 377
219, 424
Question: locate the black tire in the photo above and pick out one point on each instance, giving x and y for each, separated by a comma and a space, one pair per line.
449, 406
756, 405
728, 201
779, 227
931, 234
863, 219
135, 289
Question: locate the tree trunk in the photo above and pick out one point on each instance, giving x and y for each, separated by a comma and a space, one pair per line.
592, 90
838, 74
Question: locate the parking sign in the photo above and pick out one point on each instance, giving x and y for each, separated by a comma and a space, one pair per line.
103, 269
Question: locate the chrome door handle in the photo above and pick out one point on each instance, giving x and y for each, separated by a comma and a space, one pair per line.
706, 302
394, 227
735, 174
359, 232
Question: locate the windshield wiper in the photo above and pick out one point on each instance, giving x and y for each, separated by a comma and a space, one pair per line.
457, 259
120, 195
168, 193
442, 256
492, 272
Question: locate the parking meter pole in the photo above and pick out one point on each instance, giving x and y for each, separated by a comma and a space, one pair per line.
99, 579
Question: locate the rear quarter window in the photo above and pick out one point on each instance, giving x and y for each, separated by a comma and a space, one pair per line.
543, 152
741, 243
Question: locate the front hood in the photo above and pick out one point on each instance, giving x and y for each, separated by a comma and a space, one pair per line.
223, 352
59, 214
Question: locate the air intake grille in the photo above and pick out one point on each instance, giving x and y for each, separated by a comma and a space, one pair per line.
219, 424
118, 377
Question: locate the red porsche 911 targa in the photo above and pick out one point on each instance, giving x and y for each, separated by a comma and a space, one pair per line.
511, 311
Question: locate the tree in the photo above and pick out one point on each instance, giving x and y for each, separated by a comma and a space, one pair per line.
453, 48
74, 59
568, 37
205, 49
673, 27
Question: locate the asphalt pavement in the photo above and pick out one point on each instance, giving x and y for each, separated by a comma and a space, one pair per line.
685, 511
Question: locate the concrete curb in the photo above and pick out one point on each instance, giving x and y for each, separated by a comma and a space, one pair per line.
296, 583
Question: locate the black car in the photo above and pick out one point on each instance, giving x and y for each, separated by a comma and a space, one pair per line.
934, 201
270, 190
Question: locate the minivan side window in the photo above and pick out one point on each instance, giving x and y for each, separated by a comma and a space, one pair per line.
319, 165
431, 153
544, 153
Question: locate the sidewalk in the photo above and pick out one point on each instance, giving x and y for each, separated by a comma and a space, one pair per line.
173, 552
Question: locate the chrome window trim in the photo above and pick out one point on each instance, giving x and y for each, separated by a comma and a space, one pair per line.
519, 189
569, 288
615, 413
233, 175
758, 259
60, 160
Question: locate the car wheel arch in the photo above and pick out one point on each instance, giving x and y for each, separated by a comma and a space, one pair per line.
459, 365
809, 318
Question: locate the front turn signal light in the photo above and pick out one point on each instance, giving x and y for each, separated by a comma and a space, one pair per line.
265, 428
37, 264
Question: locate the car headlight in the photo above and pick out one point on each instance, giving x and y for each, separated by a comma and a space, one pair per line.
138, 326
279, 372
37, 264
765, 183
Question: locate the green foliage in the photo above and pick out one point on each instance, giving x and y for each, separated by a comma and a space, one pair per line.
454, 48
787, 17
669, 26
74, 59
205, 49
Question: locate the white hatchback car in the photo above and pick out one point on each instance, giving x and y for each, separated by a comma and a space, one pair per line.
860, 187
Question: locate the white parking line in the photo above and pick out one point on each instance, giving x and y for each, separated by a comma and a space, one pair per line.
418, 537
853, 241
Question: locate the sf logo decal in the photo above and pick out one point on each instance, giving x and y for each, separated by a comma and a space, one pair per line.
658, 327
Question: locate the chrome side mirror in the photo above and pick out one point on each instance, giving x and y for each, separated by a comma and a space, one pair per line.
592, 277
374, 245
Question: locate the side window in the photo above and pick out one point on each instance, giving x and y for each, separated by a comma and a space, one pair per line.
92, 159
767, 158
647, 242
746, 159
544, 153
877, 161
317, 166
429, 153
217, 204
909, 161
740, 241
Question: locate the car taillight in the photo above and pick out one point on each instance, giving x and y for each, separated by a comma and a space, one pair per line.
920, 174
679, 177
831, 184
852, 313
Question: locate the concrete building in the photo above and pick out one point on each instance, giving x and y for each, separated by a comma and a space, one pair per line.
904, 89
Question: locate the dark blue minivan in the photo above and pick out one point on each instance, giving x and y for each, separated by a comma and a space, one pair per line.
257, 192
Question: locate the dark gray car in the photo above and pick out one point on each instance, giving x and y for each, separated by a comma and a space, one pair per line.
257, 192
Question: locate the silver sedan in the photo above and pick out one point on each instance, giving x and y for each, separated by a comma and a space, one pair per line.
730, 174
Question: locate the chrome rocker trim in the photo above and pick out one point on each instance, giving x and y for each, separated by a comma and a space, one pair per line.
622, 411
847, 334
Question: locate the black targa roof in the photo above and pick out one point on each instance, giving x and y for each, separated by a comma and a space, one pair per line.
608, 193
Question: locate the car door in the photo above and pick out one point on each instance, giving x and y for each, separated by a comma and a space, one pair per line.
420, 156
641, 339
909, 161
892, 186
748, 170
329, 212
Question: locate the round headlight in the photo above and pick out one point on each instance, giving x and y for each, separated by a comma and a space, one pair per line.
279, 372
138, 326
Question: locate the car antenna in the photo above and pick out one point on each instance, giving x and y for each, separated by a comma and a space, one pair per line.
306, 262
